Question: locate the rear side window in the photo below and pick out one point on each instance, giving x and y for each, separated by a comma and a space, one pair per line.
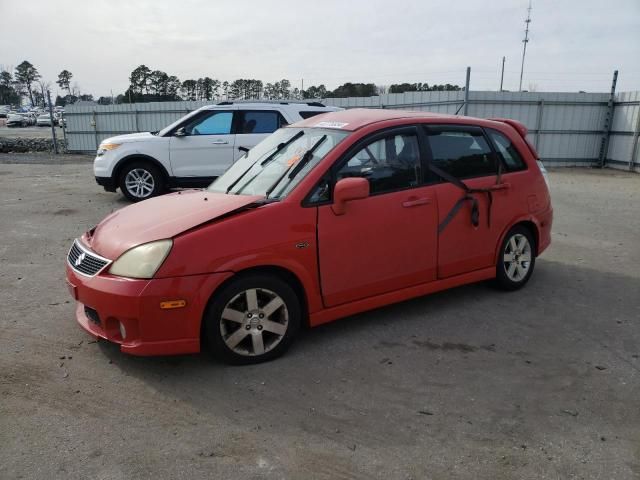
461, 153
391, 163
306, 115
512, 159
267, 121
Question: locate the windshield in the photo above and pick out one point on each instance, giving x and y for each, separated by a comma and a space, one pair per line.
277, 164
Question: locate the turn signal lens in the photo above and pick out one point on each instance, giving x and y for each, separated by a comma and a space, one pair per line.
173, 304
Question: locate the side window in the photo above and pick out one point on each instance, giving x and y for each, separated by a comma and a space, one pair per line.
213, 123
512, 159
267, 121
391, 163
462, 153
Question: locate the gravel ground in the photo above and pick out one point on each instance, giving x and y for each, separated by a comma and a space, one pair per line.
467, 384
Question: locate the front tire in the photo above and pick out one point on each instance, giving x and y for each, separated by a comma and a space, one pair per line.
253, 319
517, 259
140, 180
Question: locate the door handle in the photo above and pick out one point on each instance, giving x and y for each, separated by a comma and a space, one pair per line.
414, 202
500, 186
219, 142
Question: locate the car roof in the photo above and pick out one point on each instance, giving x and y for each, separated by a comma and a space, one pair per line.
356, 118
273, 104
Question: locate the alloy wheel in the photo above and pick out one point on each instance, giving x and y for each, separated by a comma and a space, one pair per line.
517, 257
254, 322
139, 182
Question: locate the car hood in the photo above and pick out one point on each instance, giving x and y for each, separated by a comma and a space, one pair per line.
129, 137
159, 218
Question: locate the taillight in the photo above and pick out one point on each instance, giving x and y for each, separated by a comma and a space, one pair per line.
544, 173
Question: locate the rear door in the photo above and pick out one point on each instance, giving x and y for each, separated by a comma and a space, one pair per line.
253, 126
464, 152
207, 149
386, 241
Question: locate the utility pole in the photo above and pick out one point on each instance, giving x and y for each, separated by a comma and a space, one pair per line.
525, 41
466, 93
606, 129
302, 89
502, 74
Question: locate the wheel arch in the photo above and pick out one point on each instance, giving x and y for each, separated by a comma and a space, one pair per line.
117, 170
283, 273
528, 223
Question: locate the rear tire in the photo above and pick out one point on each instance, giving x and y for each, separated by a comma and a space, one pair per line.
253, 319
516, 260
140, 180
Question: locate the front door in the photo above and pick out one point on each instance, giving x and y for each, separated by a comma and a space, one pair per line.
207, 148
388, 240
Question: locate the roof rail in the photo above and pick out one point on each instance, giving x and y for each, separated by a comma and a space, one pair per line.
280, 102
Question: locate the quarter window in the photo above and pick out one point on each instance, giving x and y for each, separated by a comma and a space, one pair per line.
391, 163
462, 153
512, 159
213, 123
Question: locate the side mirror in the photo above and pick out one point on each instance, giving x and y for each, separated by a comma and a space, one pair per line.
346, 190
181, 132
243, 149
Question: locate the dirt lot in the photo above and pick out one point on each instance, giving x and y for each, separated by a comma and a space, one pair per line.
466, 384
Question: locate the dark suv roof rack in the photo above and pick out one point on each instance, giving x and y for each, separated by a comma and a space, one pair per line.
280, 102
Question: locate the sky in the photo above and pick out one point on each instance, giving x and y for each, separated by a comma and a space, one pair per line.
574, 44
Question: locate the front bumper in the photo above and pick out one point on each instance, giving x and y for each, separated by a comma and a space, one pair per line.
108, 183
105, 302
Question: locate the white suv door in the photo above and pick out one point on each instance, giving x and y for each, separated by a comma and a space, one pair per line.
207, 147
254, 125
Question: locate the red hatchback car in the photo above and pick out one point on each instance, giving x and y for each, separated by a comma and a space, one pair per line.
332, 216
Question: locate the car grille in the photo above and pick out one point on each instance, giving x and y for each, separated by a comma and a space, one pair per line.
85, 262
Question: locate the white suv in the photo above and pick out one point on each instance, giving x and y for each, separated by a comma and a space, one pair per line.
194, 150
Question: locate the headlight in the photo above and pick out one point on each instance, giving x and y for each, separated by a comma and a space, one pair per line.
142, 261
105, 147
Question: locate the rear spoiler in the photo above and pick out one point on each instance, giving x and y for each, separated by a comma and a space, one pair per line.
521, 129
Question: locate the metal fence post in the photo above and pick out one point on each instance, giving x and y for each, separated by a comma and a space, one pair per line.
94, 123
465, 110
608, 119
136, 119
53, 125
539, 124
634, 143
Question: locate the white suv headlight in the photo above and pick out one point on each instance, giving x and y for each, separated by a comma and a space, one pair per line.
105, 147
142, 261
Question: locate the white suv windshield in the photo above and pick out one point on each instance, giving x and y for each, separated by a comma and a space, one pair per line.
278, 163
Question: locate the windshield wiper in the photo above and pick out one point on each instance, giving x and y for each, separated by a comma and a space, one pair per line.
265, 161
295, 168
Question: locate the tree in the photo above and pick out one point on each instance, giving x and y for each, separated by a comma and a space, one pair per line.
64, 80
8, 93
26, 74
139, 79
158, 83
315, 92
104, 101
355, 90
189, 88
